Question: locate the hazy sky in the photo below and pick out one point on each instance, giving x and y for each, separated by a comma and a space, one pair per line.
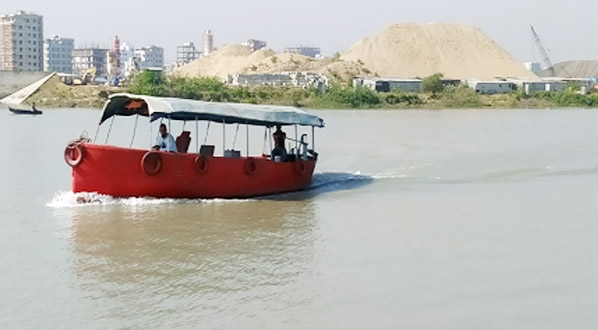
567, 27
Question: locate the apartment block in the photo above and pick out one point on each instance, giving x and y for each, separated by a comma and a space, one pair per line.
88, 58
21, 42
58, 54
187, 53
150, 57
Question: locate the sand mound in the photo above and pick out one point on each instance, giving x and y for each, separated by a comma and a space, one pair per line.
229, 59
573, 69
414, 50
237, 59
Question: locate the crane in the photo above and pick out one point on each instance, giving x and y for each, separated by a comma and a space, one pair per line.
543, 52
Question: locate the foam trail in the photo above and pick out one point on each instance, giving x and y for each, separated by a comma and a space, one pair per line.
66, 199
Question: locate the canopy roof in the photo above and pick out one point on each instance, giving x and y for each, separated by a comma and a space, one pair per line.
123, 104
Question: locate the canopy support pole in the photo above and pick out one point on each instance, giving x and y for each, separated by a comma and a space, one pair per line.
223, 136
205, 140
296, 143
109, 129
134, 131
197, 134
270, 140
247, 137
95, 138
313, 138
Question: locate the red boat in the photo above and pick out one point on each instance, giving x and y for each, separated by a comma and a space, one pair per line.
129, 172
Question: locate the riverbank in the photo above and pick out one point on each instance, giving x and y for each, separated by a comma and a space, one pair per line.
55, 94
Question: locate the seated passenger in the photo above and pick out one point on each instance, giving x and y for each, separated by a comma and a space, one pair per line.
165, 141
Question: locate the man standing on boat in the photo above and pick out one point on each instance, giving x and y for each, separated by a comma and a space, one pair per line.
165, 141
279, 149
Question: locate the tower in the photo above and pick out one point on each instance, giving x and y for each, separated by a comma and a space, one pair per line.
208, 43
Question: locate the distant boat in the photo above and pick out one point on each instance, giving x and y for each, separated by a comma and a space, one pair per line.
33, 111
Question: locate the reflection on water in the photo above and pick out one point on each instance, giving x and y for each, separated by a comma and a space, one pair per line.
192, 251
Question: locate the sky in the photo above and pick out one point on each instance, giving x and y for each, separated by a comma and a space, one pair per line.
566, 28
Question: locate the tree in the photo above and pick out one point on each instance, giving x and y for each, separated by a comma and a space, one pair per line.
433, 84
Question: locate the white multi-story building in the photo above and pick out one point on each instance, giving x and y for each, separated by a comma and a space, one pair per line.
21, 42
208, 43
127, 59
58, 54
187, 53
255, 44
150, 57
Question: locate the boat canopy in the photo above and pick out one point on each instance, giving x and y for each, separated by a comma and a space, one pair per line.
124, 104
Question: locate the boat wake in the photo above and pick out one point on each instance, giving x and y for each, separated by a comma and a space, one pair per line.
321, 183
65, 199
325, 183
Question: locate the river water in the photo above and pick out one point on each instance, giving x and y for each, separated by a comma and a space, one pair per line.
416, 219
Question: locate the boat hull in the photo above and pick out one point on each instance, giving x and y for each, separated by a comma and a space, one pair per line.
123, 172
25, 112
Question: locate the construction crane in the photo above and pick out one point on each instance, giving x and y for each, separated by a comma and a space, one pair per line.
543, 52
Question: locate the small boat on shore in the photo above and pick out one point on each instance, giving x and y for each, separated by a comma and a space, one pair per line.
32, 111
129, 172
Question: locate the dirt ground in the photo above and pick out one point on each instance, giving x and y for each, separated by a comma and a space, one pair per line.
56, 94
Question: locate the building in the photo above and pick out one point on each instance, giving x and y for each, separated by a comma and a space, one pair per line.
208, 43
491, 87
113, 60
534, 67
530, 87
150, 57
187, 53
89, 58
389, 84
254, 44
299, 79
58, 54
303, 50
21, 42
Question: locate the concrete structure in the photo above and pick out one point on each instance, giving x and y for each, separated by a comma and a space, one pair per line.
19, 96
254, 44
87, 58
58, 54
150, 57
113, 61
12, 81
491, 87
299, 79
21, 42
303, 50
208, 43
187, 53
534, 67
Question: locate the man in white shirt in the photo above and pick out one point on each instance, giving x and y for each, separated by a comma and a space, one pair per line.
165, 141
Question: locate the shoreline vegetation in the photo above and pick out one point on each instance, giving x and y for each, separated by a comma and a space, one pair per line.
338, 95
